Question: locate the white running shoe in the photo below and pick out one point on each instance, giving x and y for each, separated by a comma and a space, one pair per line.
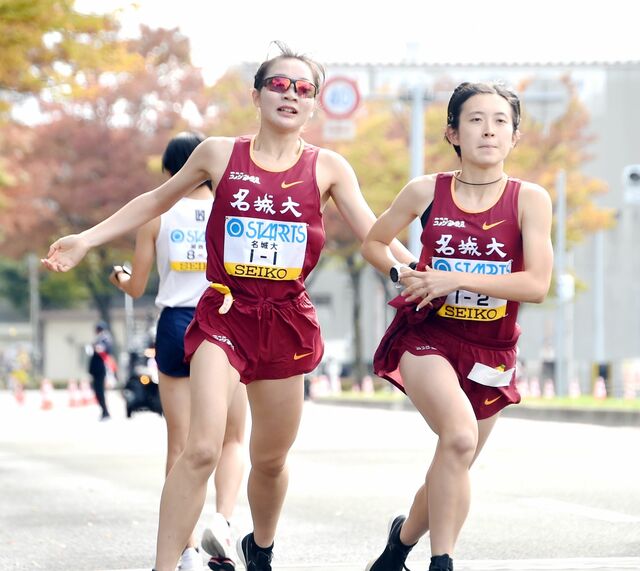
190, 560
217, 540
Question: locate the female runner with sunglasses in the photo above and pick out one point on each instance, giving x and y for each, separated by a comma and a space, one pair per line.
486, 247
181, 267
255, 324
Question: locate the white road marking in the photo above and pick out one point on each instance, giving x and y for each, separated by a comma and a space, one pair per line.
573, 564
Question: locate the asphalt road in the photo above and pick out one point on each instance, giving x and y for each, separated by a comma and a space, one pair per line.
80, 495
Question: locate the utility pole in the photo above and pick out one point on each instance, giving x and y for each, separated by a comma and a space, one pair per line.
34, 314
598, 300
564, 289
417, 156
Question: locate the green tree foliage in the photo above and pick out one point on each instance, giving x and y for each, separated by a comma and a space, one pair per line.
380, 159
232, 112
49, 48
48, 44
94, 154
56, 290
379, 155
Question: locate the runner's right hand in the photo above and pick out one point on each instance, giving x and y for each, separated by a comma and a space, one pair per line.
65, 253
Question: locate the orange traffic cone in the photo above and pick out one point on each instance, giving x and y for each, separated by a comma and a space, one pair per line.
334, 384
74, 393
629, 380
600, 389
18, 392
46, 392
534, 388
523, 387
367, 385
86, 394
549, 389
629, 391
574, 389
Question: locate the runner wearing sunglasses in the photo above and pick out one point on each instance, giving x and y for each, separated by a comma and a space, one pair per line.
181, 268
255, 324
452, 345
281, 84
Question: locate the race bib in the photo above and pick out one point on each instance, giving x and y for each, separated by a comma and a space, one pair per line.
468, 305
269, 249
187, 250
491, 377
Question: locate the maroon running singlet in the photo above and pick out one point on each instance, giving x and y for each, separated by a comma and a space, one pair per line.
264, 236
476, 333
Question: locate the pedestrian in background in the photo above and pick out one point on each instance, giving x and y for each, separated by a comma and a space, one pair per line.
101, 363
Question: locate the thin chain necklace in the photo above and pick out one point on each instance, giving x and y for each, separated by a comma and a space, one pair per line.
477, 183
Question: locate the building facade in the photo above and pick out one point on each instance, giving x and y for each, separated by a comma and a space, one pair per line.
602, 323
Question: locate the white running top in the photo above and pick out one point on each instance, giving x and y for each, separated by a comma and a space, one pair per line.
181, 253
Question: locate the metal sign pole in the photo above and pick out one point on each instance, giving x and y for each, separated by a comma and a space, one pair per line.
561, 291
417, 157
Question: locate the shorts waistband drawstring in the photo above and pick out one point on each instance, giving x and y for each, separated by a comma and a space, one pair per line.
255, 301
228, 297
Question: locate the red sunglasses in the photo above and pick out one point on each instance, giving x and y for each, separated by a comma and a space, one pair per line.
281, 83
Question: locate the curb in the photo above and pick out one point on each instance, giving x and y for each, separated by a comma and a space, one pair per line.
599, 416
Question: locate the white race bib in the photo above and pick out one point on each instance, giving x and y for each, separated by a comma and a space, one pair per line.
187, 250
468, 305
269, 249
489, 376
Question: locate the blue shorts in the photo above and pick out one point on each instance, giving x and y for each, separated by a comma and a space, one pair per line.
172, 324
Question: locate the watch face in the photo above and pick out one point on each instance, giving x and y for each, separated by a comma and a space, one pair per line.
394, 274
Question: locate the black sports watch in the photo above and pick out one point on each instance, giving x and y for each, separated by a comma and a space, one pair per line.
394, 272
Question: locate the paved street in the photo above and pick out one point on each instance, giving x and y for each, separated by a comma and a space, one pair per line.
80, 495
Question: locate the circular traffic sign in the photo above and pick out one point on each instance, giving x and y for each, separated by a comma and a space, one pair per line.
340, 97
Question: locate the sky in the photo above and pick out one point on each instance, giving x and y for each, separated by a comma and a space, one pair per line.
224, 33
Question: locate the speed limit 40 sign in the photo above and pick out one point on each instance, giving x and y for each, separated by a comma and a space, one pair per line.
340, 97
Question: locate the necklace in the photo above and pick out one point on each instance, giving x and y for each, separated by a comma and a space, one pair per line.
477, 183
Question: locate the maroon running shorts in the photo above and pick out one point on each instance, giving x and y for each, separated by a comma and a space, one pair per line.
424, 337
262, 338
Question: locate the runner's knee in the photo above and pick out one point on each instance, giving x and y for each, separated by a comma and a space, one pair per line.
269, 465
202, 457
461, 442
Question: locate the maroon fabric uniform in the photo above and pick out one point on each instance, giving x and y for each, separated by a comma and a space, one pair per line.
477, 334
264, 236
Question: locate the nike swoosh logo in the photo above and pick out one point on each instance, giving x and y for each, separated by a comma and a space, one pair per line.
486, 226
296, 356
490, 402
290, 184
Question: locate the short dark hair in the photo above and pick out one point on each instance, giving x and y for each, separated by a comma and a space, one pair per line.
466, 90
178, 151
287, 53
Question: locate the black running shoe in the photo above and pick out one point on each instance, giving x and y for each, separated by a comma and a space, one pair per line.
254, 558
441, 563
221, 564
395, 553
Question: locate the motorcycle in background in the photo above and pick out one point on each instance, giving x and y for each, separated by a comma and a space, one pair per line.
141, 390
